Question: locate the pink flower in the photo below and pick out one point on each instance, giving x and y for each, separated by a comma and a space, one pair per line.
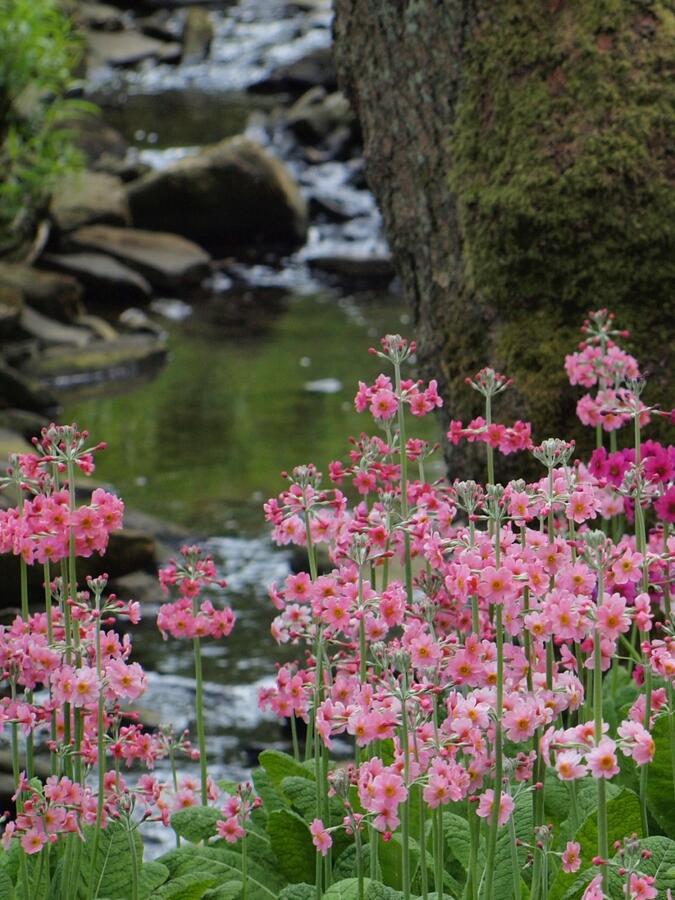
486, 803
33, 841
594, 890
571, 858
230, 829
569, 765
497, 585
613, 619
602, 760
320, 837
641, 887
383, 404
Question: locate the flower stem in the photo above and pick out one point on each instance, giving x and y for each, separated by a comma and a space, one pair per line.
199, 712
603, 842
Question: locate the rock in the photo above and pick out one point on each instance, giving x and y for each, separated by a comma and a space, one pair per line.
160, 25
96, 139
316, 114
127, 48
49, 331
316, 68
234, 194
11, 442
198, 34
128, 550
98, 326
55, 295
99, 16
89, 198
11, 303
357, 266
166, 260
99, 361
124, 169
136, 320
17, 389
141, 586
106, 281
22, 422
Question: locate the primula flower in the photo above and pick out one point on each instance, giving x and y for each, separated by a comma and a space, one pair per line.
320, 837
487, 799
571, 857
602, 761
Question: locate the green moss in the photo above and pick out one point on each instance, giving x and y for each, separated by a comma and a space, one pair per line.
562, 168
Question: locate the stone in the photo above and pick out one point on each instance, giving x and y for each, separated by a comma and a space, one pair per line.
233, 195
125, 48
354, 265
316, 114
23, 391
49, 331
166, 260
55, 295
98, 326
11, 303
96, 139
315, 68
198, 34
124, 169
89, 198
11, 442
141, 586
99, 361
20, 421
106, 281
99, 16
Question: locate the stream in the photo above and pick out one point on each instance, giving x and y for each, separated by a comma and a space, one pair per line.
261, 373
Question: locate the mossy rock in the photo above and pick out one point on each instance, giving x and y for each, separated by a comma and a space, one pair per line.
562, 168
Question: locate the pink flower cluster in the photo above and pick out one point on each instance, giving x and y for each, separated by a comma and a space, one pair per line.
186, 617
506, 439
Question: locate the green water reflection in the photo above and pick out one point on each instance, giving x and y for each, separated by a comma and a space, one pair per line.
203, 443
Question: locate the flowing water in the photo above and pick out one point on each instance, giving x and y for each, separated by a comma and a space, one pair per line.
260, 377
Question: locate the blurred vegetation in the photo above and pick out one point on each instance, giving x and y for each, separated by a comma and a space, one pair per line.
38, 53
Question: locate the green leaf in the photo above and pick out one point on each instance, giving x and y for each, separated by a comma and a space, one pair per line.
298, 892
348, 889
280, 765
196, 823
6, 886
185, 887
225, 866
153, 874
556, 799
457, 839
524, 824
113, 867
228, 891
623, 818
660, 790
271, 797
292, 843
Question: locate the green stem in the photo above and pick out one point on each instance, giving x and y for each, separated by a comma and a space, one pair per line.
100, 752
244, 867
494, 820
488, 447
405, 827
199, 711
515, 865
404, 482
603, 840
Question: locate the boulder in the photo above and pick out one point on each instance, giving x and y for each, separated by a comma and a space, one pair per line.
99, 361
99, 16
233, 195
106, 281
11, 303
89, 198
316, 114
96, 139
22, 422
56, 295
49, 331
141, 586
166, 260
17, 389
358, 266
127, 48
315, 68
198, 34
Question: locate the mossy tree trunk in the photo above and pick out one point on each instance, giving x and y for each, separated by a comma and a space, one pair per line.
521, 153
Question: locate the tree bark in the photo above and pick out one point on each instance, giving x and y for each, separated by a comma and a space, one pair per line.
520, 155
